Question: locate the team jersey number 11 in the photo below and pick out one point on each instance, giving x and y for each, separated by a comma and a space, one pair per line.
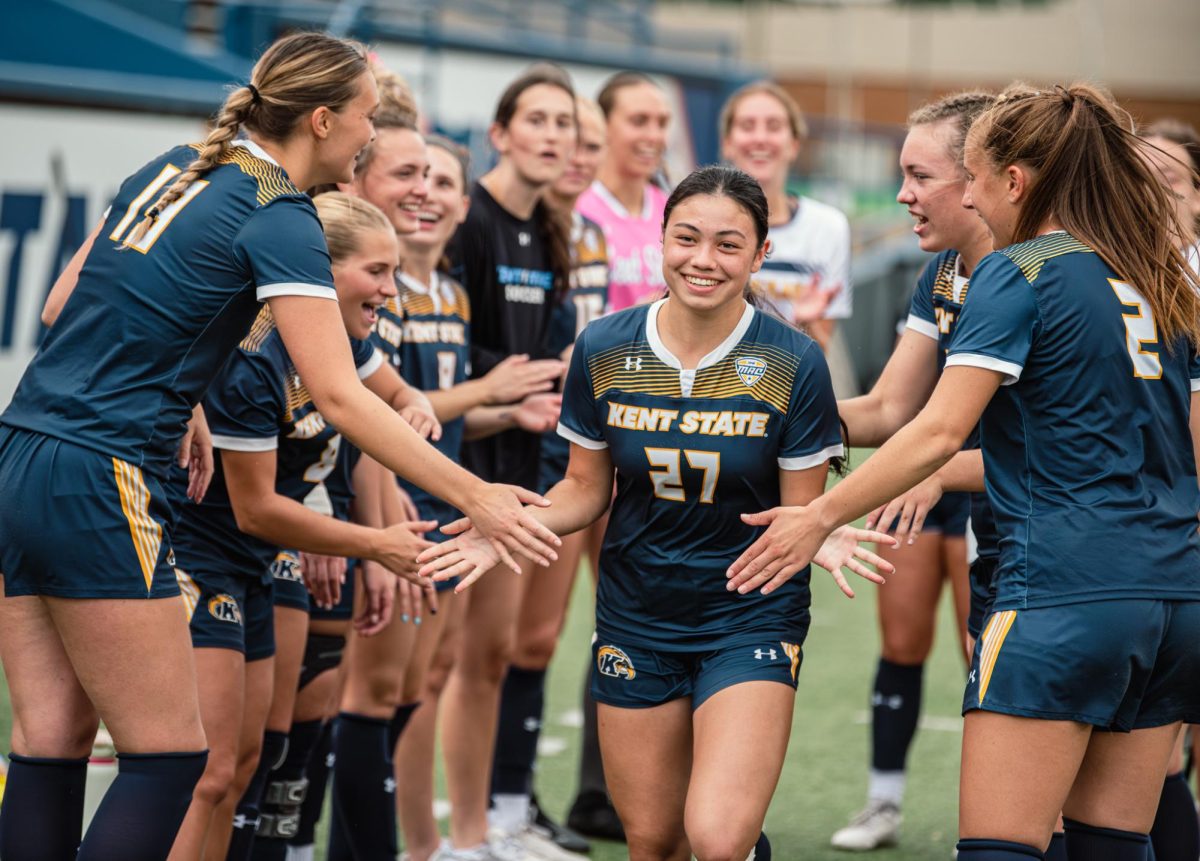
130, 218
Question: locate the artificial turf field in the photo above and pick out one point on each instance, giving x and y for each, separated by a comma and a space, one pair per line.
824, 778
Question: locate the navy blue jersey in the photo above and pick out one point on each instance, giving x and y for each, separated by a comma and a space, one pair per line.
339, 484
586, 301
151, 322
936, 305
693, 449
1086, 446
259, 403
426, 333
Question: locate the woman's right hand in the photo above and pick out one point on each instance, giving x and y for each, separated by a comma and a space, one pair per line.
517, 376
467, 556
397, 547
324, 576
906, 514
498, 512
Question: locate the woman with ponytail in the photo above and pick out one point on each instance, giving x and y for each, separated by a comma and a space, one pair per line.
1077, 348
92, 626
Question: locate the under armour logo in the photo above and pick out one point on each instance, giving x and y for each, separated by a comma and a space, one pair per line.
242, 821
768, 653
632, 364
523, 239
532, 724
894, 702
389, 786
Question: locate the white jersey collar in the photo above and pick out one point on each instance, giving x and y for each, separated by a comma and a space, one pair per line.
688, 376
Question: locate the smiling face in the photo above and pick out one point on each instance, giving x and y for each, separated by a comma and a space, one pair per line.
710, 250
541, 134
345, 132
587, 156
932, 189
366, 279
394, 179
760, 140
1170, 162
637, 130
444, 207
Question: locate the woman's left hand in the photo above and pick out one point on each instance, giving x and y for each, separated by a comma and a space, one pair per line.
844, 549
419, 415
379, 586
468, 555
196, 455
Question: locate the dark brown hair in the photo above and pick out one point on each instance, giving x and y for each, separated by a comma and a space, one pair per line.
607, 98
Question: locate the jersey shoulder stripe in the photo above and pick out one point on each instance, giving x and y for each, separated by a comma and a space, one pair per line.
943, 277
1031, 256
260, 330
773, 386
271, 180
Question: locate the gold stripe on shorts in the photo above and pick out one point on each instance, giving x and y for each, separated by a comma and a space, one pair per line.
189, 591
993, 638
135, 502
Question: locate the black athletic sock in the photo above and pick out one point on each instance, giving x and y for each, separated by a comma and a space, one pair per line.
895, 710
301, 740
1176, 832
591, 766
143, 809
245, 819
996, 850
762, 848
320, 761
400, 719
364, 790
1093, 843
522, 700
1057, 851
42, 814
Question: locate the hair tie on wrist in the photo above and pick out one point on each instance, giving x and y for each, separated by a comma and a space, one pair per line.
255, 96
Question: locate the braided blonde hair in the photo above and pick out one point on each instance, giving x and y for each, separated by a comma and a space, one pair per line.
294, 77
961, 109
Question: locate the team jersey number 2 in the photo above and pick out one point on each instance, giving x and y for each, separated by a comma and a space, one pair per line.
1140, 332
131, 217
667, 477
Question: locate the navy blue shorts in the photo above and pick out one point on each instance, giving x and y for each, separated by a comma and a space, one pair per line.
343, 611
289, 590
1118, 665
981, 577
229, 611
949, 516
634, 677
75, 523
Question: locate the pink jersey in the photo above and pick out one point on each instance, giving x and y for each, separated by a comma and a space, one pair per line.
634, 244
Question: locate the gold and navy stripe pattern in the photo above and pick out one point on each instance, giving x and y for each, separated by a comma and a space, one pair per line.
189, 591
272, 181
1032, 255
422, 305
991, 641
263, 325
144, 529
632, 368
943, 280
792, 650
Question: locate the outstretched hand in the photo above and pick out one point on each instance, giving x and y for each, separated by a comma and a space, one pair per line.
468, 556
905, 515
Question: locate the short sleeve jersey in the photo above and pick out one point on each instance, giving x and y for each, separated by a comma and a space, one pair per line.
425, 332
634, 243
1086, 446
810, 251
586, 301
694, 449
504, 265
258, 403
151, 322
339, 484
936, 305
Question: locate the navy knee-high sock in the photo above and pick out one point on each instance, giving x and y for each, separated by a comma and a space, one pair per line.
400, 719
1057, 851
245, 819
364, 790
895, 710
762, 848
300, 743
143, 809
996, 850
1176, 833
522, 700
1093, 843
42, 815
320, 762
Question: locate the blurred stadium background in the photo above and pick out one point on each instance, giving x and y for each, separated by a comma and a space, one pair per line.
91, 89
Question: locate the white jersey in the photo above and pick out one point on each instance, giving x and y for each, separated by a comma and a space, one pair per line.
812, 250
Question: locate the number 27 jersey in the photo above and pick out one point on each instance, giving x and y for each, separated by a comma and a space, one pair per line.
694, 449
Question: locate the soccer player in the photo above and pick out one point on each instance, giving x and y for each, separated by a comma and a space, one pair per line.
193, 243
624, 200
932, 187
1077, 340
698, 404
512, 255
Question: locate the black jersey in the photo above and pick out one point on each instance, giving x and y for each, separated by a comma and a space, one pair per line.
504, 265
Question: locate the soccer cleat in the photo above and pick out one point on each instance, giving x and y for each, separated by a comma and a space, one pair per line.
560, 834
876, 825
593, 815
492, 850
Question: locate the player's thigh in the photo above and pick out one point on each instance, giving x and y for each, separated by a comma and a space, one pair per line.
374, 666
1016, 774
544, 605
428, 637
956, 570
647, 756
46, 696
134, 660
291, 634
908, 602
260, 684
221, 686
1121, 778
740, 739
